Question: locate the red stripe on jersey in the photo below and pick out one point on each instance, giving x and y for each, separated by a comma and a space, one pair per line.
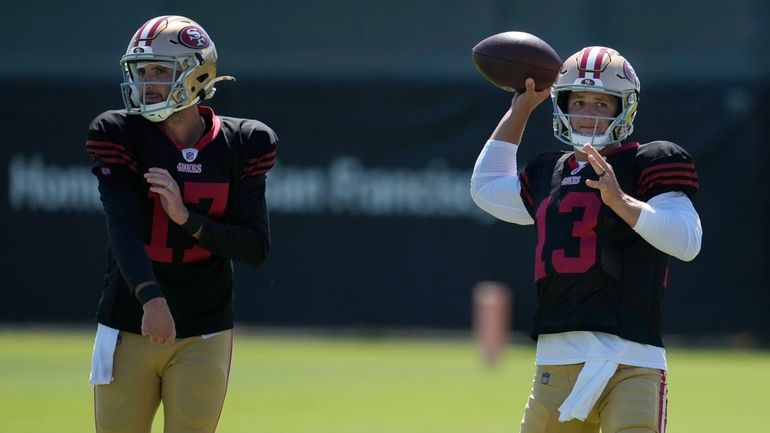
113, 157
645, 182
255, 170
260, 165
676, 182
106, 144
654, 175
111, 153
265, 157
266, 164
679, 182
269, 161
689, 165
525, 188
107, 152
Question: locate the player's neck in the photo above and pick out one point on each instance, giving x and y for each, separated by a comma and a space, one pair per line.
185, 127
580, 156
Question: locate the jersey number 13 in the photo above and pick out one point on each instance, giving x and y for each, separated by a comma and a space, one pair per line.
582, 230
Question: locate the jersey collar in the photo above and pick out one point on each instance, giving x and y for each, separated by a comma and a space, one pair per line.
211, 119
573, 164
213, 125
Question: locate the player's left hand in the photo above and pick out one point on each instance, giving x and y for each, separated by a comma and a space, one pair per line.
165, 186
607, 184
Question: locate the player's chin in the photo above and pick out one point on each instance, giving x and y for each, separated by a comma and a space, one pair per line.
589, 132
153, 98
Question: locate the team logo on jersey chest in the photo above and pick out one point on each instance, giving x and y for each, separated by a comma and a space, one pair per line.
190, 154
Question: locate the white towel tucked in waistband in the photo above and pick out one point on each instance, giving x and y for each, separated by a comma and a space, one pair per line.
101, 361
588, 388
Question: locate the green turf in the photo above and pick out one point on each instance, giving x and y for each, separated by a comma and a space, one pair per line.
353, 385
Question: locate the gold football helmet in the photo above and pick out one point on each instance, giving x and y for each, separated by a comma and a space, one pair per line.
177, 43
596, 69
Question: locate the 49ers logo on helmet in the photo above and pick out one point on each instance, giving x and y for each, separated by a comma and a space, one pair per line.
193, 37
630, 73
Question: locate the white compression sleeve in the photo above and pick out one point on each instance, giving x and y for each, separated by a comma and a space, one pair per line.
495, 184
670, 223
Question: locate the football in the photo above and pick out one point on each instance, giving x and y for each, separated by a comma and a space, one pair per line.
507, 59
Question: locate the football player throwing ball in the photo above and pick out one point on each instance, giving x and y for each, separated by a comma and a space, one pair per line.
608, 215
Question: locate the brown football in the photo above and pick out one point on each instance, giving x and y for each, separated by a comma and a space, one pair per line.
507, 59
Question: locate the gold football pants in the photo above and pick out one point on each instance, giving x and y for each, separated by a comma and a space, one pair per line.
189, 377
634, 401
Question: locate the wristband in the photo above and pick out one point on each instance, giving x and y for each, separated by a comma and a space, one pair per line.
149, 292
193, 223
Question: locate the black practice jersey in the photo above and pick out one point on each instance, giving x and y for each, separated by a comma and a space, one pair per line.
593, 272
222, 183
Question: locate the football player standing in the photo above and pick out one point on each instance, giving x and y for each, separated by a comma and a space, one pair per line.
183, 191
608, 216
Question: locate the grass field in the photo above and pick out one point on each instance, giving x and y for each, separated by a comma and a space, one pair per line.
356, 385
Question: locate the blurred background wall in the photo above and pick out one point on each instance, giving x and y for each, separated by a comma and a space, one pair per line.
381, 114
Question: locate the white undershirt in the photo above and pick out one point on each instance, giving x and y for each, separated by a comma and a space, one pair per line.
668, 221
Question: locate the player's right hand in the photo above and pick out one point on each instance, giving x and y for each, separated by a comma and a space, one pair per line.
157, 322
529, 99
